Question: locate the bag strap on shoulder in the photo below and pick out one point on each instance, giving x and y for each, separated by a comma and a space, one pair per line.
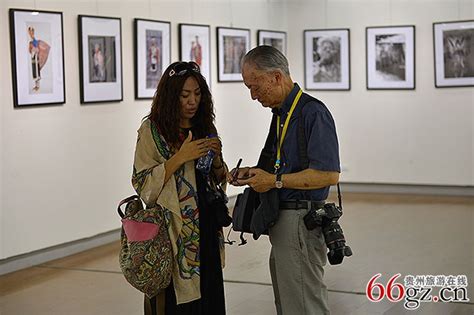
302, 148
265, 161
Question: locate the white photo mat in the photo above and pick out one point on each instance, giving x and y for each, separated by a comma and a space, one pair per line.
330, 77
232, 45
189, 34
143, 88
462, 45
402, 40
50, 87
93, 92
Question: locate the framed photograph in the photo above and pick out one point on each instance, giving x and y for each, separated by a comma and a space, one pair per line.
232, 45
37, 54
152, 55
327, 61
454, 53
275, 39
100, 57
195, 45
390, 57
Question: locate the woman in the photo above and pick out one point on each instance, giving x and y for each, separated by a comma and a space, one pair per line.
170, 140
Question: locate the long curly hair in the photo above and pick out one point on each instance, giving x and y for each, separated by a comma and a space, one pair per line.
166, 106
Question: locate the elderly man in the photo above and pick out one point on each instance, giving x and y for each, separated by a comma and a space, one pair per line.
298, 254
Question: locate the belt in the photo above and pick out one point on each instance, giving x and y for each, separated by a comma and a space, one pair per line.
300, 204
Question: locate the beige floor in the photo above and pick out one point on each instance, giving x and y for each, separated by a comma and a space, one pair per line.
389, 234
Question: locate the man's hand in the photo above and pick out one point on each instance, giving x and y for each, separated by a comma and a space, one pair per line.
235, 176
259, 180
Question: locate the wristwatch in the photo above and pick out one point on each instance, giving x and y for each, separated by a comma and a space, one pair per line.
278, 182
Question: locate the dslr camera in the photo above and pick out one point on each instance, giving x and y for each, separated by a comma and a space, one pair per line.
217, 201
326, 217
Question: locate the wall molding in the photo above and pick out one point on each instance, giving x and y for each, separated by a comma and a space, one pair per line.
40, 256
410, 189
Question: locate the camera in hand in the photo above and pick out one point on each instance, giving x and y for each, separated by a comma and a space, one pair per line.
326, 217
217, 200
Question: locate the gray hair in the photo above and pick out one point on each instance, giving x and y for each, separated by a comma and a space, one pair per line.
267, 58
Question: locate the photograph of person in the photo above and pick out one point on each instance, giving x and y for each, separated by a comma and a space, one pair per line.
154, 62
234, 51
102, 59
39, 53
327, 59
178, 131
196, 51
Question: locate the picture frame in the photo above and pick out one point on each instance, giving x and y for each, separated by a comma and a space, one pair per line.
100, 59
390, 57
195, 45
276, 39
37, 57
327, 59
232, 45
152, 55
454, 53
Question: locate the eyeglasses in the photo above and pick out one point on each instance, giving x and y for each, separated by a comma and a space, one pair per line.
181, 68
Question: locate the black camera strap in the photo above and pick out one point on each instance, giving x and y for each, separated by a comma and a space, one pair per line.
302, 148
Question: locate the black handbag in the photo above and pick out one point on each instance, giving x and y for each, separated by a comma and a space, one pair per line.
244, 207
248, 201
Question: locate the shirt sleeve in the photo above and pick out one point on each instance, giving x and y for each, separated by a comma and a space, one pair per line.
323, 147
148, 168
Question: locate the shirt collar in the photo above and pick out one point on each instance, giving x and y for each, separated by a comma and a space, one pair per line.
286, 105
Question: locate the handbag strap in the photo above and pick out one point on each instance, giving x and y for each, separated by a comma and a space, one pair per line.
124, 201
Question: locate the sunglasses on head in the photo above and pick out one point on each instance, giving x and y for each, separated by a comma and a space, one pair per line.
181, 68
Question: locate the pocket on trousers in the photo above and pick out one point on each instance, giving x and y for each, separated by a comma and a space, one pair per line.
312, 243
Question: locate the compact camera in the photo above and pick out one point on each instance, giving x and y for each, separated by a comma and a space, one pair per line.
217, 201
326, 217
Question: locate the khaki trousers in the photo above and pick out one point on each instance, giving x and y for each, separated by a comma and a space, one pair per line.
296, 266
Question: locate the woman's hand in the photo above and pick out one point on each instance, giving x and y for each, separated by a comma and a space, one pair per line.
191, 150
215, 145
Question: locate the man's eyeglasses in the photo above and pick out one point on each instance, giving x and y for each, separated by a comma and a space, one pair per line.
181, 68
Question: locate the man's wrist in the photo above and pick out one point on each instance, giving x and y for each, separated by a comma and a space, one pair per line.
278, 181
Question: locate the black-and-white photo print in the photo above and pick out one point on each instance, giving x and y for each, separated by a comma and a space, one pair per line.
458, 50
454, 53
327, 59
390, 57
276, 39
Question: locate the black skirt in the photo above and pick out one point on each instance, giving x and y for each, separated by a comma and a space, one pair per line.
212, 299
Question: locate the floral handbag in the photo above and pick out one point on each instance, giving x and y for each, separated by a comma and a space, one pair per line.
145, 254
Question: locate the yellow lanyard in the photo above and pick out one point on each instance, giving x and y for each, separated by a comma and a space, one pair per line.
285, 128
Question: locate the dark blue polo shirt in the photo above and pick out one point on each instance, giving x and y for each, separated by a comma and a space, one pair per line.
321, 139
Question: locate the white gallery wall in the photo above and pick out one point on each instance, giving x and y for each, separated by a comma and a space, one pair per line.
422, 136
64, 168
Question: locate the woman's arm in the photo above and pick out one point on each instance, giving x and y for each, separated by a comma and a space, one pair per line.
219, 168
